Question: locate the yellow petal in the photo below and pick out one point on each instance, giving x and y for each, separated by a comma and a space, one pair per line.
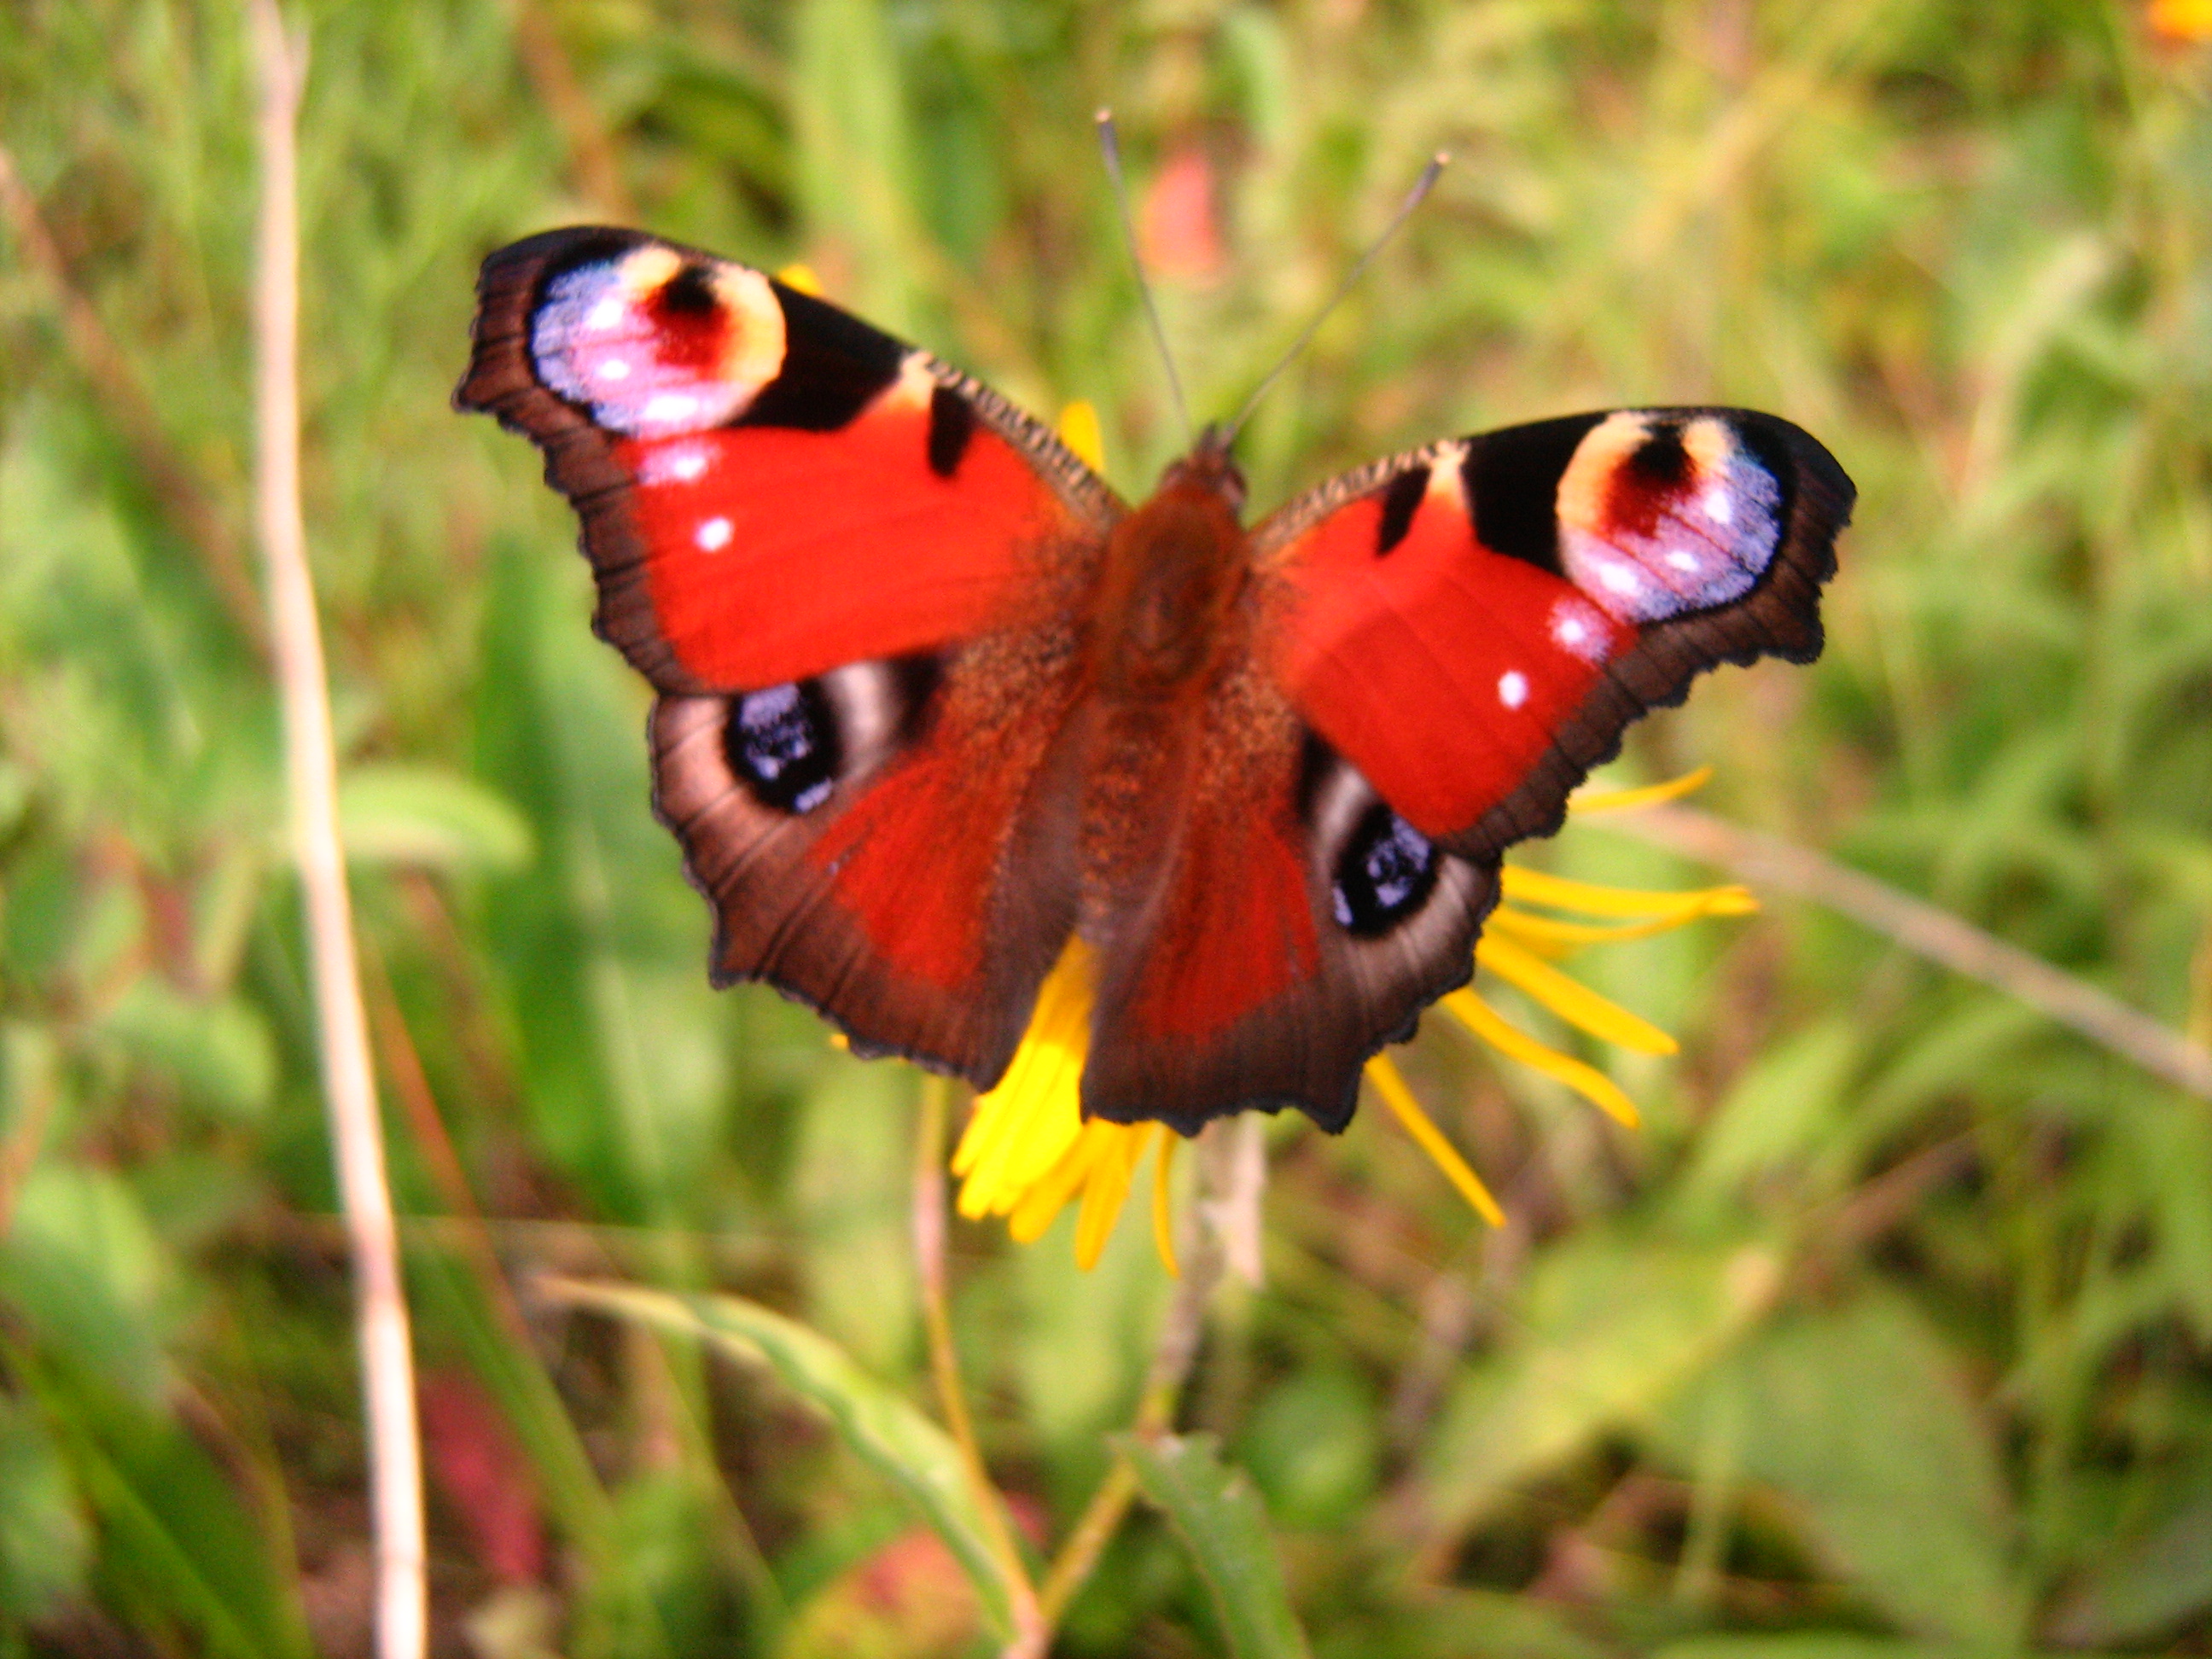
1526, 886
1009, 1141
1031, 1122
1400, 1099
1162, 1206
1122, 1144
1020, 1130
1080, 432
1620, 800
1552, 938
1034, 1211
1571, 1000
802, 277
1592, 1084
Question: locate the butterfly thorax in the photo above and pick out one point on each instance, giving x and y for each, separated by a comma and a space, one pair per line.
1173, 571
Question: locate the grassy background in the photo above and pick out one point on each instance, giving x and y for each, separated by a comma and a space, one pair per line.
1890, 1333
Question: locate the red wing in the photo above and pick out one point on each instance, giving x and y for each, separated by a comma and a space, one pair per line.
1462, 632
1281, 926
769, 488
1473, 625
880, 841
850, 571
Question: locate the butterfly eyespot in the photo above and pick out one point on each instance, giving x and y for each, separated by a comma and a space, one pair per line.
1662, 516
1386, 872
783, 745
656, 347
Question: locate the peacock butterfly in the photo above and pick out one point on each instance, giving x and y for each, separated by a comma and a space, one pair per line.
932, 699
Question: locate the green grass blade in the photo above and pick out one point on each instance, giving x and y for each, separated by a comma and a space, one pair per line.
1859, 1415
1220, 1516
178, 1550
2148, 1586
887, 1433
1610, 1325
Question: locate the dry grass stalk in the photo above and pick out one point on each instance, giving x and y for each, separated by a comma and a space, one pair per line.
1933, 934
349, 1088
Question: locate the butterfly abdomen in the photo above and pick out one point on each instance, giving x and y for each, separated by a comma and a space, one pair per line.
1171, 629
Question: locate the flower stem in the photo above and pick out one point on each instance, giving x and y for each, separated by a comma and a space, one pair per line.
944, 1360
1173, 1354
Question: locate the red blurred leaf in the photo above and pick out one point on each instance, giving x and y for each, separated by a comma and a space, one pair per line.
1177, 224
481, 1473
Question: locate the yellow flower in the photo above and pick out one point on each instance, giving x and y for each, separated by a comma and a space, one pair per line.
1027, 1150
1027, 1153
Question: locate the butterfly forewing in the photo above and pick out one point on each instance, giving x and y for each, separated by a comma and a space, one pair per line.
769, 488
1474, 624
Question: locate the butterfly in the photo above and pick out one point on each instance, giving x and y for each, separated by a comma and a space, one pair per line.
932, 700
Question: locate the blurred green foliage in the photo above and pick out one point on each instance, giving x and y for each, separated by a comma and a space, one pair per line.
1890, 1335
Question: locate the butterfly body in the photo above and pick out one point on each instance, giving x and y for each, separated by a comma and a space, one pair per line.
934, 704
1174, 572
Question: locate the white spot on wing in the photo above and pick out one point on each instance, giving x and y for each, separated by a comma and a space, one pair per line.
1718, 508
606, 314
614, 368
1513, 688
1617, 577
1579, 629
713, 535
1680, 561
674, 463
669, 409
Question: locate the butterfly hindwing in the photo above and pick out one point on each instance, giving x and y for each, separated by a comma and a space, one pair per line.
1297, 924
874, 842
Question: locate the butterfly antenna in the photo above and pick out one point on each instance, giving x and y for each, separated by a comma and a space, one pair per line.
1422, 185
1109, 144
